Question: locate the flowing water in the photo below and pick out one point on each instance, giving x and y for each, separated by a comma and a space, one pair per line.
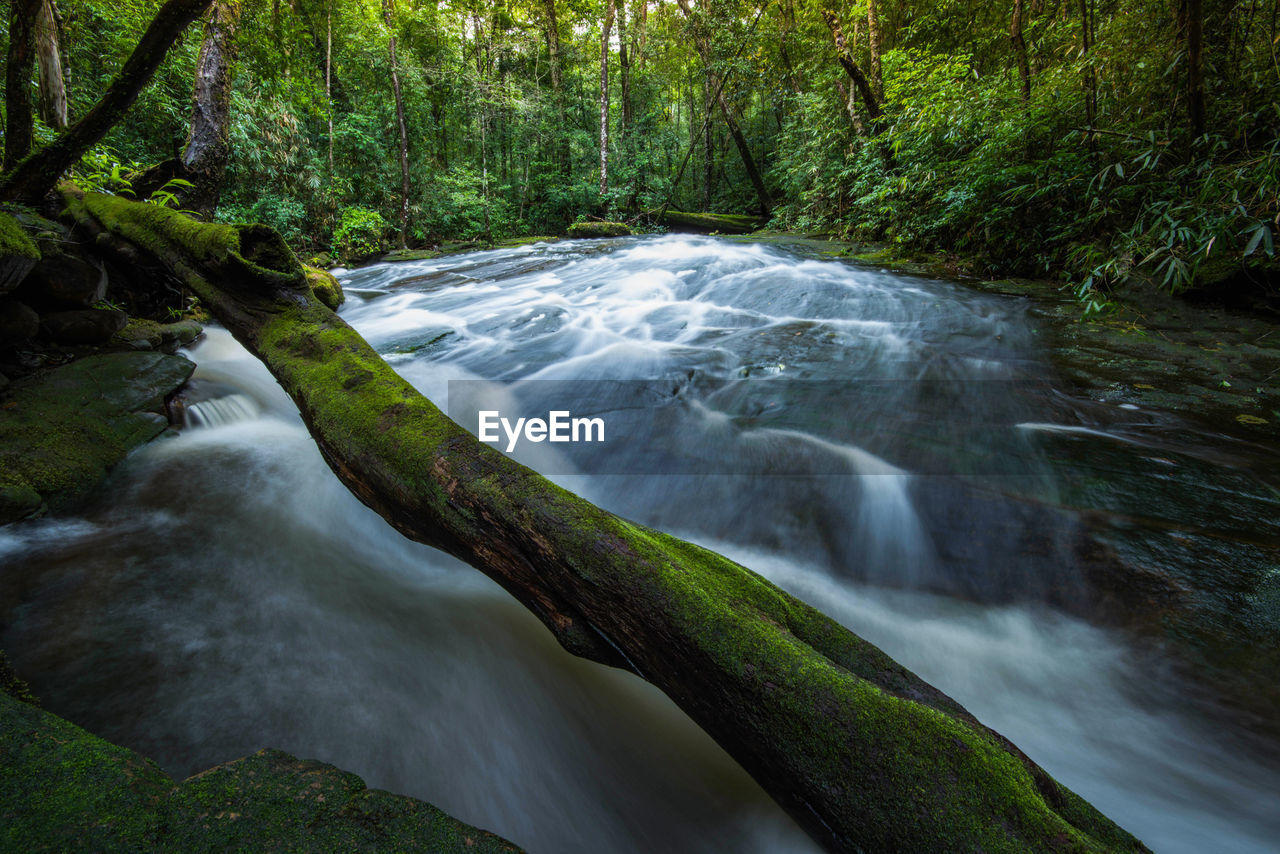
867, 440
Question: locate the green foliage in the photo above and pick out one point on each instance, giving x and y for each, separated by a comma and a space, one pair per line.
360, 232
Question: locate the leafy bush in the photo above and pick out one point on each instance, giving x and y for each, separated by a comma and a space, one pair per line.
359, 233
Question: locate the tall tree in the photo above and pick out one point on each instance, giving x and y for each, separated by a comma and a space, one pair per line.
1195, 67
715, 95
52, 100
36, 174
873, 44
388, 10
17, 83
557, 86
204, 159
605, 28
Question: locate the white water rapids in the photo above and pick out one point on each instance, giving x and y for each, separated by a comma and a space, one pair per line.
226, 593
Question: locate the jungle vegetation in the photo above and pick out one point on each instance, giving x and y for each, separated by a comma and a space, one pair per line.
1091, 140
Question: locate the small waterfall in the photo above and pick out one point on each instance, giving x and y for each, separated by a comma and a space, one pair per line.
220, 411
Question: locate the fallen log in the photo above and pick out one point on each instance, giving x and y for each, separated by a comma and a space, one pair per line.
707, 223
864, 754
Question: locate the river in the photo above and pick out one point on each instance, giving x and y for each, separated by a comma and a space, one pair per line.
872, 442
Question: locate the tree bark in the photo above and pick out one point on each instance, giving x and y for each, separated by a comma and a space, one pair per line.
36, 174
859, 750
869, 99
388, 8
605, 28
52, 99
19, 117
328, 78
204, 160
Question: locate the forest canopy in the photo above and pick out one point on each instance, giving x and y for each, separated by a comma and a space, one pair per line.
1091, 139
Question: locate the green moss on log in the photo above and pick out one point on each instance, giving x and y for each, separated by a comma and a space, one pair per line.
599, 229
708, 223
326, 288
862, 752
63, 789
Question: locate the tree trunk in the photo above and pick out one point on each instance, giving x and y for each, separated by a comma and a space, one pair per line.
859, 750
624, 70
17, 81
1020, 50
869, 99
388, 8
557, 88
605, 28
744, 151
873, 43
36, 175
204, 160
52, 100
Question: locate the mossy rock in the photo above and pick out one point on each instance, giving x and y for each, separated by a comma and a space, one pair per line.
18, 253
63, 789
142, 334
64, 429
325, 287
599, 229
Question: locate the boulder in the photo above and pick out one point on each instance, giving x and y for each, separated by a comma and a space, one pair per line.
65, 428
142, 334
85, 326
64, 279
18, 323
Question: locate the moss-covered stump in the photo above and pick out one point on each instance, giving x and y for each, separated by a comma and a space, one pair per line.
63, 789
599, 229
325, 287
18, 253
62, 430
864, 754
707, 223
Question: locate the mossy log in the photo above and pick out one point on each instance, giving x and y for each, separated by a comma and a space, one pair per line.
861, 752
707, 223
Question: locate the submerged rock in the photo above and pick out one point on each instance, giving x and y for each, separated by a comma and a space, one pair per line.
62, 788
64, 429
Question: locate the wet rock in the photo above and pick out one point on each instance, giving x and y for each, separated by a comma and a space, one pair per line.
65, 428
18, 323
63, 789
142, 334
87, 326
